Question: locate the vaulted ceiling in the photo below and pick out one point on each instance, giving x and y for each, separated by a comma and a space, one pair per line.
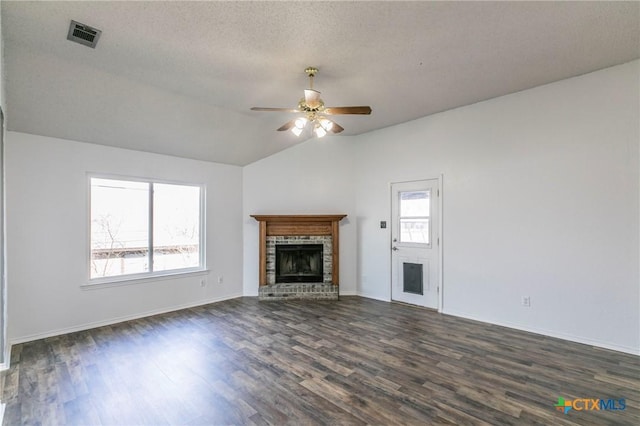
179, 78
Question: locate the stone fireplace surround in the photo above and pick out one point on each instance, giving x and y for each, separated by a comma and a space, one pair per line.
273, 241
299, 229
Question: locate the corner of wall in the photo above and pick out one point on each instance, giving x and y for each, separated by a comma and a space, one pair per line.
4, 347
312, 177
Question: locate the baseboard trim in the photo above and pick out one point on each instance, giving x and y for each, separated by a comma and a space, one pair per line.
543, 332
368, 296
96, 324
550, 333
577, 339
7, 361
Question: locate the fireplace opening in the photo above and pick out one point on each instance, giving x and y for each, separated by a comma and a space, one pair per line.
299, 263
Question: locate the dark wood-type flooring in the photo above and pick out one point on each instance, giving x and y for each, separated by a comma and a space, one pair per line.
356, 361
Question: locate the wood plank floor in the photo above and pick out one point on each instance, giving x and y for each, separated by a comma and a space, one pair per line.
356, 361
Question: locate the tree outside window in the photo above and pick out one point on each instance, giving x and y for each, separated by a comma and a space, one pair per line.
144, 227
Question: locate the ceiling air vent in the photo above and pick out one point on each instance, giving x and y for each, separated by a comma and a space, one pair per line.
83, 34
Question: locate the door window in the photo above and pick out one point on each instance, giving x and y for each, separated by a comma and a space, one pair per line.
415, 217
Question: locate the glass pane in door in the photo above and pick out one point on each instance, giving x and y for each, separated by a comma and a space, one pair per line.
415, 212
414, 230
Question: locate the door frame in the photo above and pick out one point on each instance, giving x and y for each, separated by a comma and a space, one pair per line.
440, 243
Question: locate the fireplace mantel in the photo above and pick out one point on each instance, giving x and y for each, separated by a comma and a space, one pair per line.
299, 225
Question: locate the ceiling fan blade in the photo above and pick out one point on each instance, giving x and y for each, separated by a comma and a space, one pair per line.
287, 125
312, 98
336, 128
348, 110
275, 109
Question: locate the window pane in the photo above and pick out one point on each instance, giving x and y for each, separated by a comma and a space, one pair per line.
119, 227
414, 230
415, 203
176, 232
414, 216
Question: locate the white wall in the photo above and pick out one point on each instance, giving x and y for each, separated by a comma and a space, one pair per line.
541, 193
47, 227
3, 305
314, 177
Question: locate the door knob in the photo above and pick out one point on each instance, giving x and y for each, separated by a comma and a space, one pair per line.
394, 248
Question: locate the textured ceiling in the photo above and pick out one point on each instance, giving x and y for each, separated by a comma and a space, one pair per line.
179, 78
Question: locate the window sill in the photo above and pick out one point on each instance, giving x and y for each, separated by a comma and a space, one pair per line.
117, 282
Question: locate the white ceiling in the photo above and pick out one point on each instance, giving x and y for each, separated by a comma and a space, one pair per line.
179, 78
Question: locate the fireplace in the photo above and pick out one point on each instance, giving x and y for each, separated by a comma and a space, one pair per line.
299, 263
298, 257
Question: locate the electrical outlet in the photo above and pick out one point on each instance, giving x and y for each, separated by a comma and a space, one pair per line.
526, 301
203, 282
220, 279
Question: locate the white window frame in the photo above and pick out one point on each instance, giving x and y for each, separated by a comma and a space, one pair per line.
151, 275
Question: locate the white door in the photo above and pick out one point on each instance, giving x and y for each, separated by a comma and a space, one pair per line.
415, 242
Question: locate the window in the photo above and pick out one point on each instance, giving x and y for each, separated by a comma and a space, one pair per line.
415, 212
145, 228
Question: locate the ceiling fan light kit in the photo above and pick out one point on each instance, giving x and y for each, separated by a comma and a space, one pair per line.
299, 126
319, 130
312, 106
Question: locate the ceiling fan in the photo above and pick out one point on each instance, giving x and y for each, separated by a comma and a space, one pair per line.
314, 112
